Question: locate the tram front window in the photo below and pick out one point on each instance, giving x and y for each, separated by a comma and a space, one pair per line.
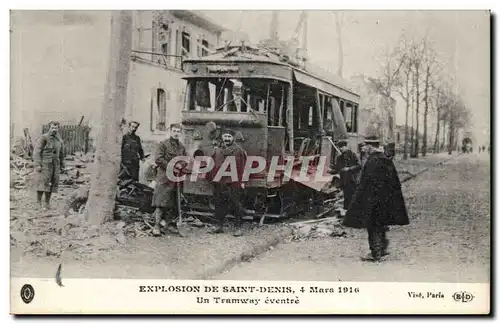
235, 95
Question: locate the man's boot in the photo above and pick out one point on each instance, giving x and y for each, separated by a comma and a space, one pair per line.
156, 229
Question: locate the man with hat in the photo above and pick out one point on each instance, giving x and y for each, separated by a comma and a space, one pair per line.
228, 191
48, 156
378, 200
165, 192
347, 164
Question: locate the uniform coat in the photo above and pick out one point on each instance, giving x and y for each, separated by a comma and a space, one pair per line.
165, 190
49, 155
228, 192
348, 178
132, 153
219, 156
378, 200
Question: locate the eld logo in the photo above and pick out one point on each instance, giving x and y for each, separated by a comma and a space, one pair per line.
463, 297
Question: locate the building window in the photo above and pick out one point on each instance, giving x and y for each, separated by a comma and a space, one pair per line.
164, 39
204, 48
161, 109
185, 44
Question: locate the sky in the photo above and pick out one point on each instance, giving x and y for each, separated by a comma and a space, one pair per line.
462, 39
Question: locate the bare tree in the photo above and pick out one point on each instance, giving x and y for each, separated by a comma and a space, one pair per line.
101, 202
339, 22
405, 91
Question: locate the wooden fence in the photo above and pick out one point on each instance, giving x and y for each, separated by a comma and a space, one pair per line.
76, 138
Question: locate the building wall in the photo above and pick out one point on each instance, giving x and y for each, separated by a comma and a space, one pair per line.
58, 67
59, 63
142, 105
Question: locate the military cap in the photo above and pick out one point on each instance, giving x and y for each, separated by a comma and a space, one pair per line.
228, 131
176, 125
372, 139
342, 143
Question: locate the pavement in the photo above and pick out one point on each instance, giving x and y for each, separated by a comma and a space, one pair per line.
200, 255
448, 239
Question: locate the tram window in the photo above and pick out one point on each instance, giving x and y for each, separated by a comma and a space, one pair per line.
327, 115
355, 119
348, 117
342, 104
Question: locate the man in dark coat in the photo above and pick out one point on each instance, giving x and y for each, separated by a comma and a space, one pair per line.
165, 193
132, 153
228, 191
378, 200
348, 165
49, 163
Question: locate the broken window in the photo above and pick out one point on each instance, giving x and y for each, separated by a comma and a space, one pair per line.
203, 48
348, 117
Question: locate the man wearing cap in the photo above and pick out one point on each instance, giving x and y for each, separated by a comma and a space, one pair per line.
348, 165
132, 153
48, 156
378, 200
165, 192
228, 191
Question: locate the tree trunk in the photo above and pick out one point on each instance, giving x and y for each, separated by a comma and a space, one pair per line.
436, 139
340, 46
101, 202
417, 144
405, 147
426, 111
443, 142
450, 134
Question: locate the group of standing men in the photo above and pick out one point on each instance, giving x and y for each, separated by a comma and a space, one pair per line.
372, 190
373, 198
227, 191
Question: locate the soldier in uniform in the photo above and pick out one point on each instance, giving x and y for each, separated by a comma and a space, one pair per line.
49, 163
165, 193
132, 152
228, 192
378, 200
348, 165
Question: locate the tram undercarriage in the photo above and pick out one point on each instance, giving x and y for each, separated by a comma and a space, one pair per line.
292, 200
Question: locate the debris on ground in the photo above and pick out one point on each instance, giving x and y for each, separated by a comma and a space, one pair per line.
327, 227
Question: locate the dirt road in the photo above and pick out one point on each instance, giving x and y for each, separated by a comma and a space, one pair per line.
448, 239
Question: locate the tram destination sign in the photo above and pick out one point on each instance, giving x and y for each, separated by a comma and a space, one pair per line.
222, 68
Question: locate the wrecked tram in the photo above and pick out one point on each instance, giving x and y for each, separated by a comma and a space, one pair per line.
275, 108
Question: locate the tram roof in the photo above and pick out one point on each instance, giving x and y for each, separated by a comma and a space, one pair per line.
235, 54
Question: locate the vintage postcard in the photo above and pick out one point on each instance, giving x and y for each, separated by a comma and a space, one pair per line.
250, 162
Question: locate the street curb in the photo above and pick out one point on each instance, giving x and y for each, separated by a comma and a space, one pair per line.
248, 254
412, 176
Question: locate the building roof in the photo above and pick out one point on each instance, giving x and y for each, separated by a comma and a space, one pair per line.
199, 19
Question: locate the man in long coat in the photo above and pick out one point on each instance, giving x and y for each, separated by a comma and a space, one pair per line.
228, 191
49, 163
348, 165
165, 193
378, 200
132, 153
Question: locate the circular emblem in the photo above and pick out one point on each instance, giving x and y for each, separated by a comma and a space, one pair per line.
27, 293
